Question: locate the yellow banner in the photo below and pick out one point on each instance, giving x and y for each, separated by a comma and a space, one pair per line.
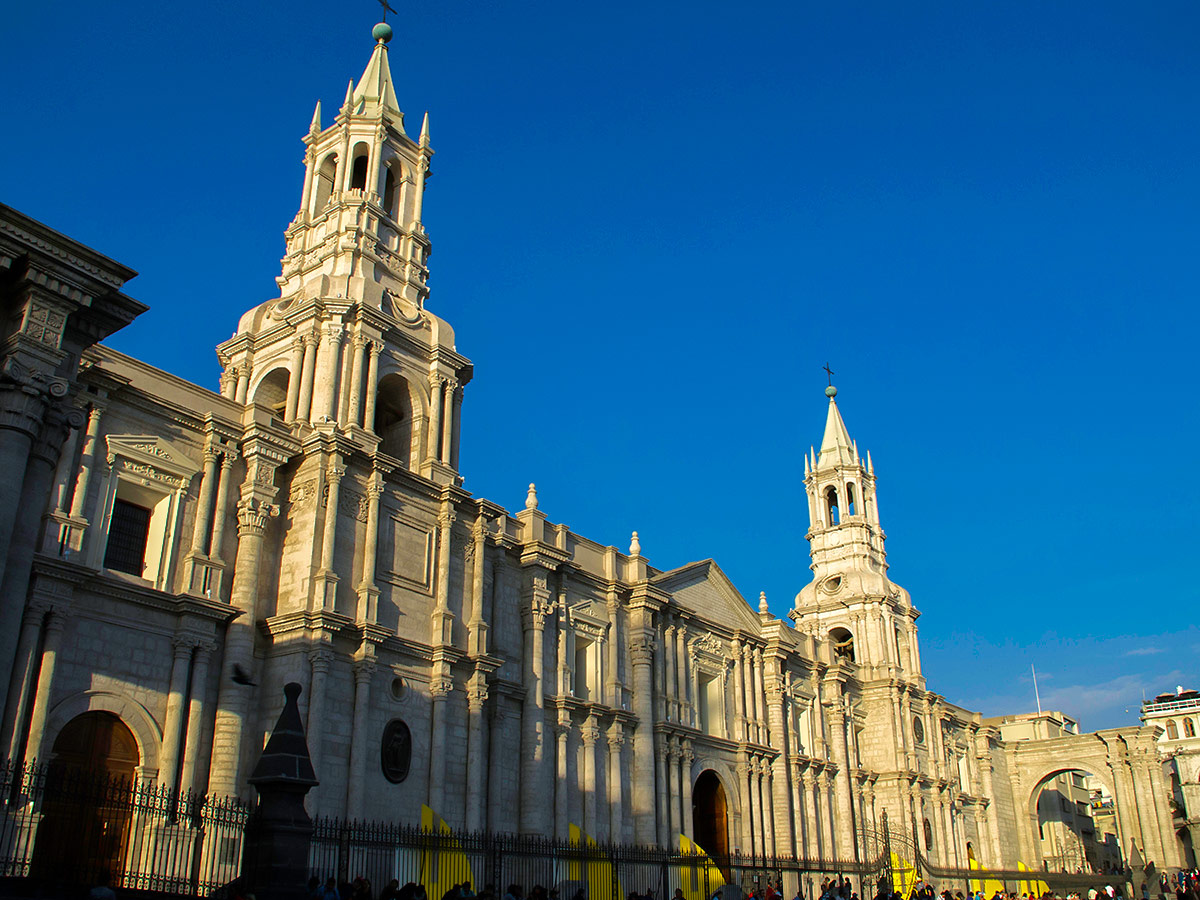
595, 874
702, 880
989, 886
443, 865
904, 875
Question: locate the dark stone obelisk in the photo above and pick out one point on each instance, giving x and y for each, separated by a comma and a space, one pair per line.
275, 862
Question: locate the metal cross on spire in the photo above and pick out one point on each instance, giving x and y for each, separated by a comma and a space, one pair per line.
828, 371
386, 9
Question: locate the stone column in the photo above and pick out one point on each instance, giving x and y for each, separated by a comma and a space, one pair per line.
56, 621
221, 512
20, 686
203, 527
1171, 856
168, 764
663, 795
372, 387
685, 773
354, 408
368, 591
435, 417
532, 790
496, 761
751, 698
295, 369
233, 700
836, 717
769, 809
641, 654
760, 806
739, 693
662, 706
616, 806
780, 801
812, 842
613, 683
442, 618
35, 494
681, 674
22, 409
63, 473
456, 427
591, 734
319, 658
326, 581
243, 383
825, 811
448, 419
440, 689
342, 399
196, 706
477, 694
308, 367
670, 691
760, 699
476, 625
985, 772
562, 732
746, 801
361, 742
325, 390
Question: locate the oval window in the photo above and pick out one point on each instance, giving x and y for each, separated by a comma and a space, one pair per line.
918, 730
396, 753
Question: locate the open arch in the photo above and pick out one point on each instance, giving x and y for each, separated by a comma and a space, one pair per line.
843, 643
395, 420
146, 732
710, 815
272, 390
326, 179
85, 823
851, 505
361, 158
1073, 828
831, 505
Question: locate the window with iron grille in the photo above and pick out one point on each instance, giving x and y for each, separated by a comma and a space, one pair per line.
127, 532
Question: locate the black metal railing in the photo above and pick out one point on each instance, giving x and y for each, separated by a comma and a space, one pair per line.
380, 851
67, 827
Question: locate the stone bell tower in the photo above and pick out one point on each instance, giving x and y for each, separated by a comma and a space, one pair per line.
349, 348
851, 601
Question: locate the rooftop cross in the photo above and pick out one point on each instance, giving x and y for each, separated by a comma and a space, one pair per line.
386, 9
828, 371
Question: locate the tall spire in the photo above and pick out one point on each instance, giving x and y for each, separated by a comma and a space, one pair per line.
836, 447
374, 94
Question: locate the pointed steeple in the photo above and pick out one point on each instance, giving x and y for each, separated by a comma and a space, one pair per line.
348, 103
836, 447
424, 141
314, 127
374, 95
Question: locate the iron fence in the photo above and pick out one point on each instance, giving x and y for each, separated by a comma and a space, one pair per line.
380, 851
66, 827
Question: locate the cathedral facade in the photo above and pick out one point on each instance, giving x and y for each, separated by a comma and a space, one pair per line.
174, 556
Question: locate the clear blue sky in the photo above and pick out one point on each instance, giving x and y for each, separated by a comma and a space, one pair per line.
654, 223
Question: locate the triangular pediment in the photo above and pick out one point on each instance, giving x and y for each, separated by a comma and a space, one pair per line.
152, 450
702, 588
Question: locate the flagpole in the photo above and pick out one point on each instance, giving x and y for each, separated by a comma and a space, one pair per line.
1036, 695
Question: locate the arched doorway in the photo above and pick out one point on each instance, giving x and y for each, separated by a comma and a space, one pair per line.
1073, 821
710, 816
87, 804
394, 420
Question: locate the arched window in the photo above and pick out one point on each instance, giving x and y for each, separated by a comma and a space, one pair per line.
394, 419
831, 505
843, 644
326, 176
358, 171
851, 506
1189, 728
389, 192
1172, 730
272, 391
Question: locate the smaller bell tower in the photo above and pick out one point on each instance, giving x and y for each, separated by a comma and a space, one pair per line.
851, 602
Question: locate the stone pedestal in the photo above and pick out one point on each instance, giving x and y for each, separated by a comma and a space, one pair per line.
275, 864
